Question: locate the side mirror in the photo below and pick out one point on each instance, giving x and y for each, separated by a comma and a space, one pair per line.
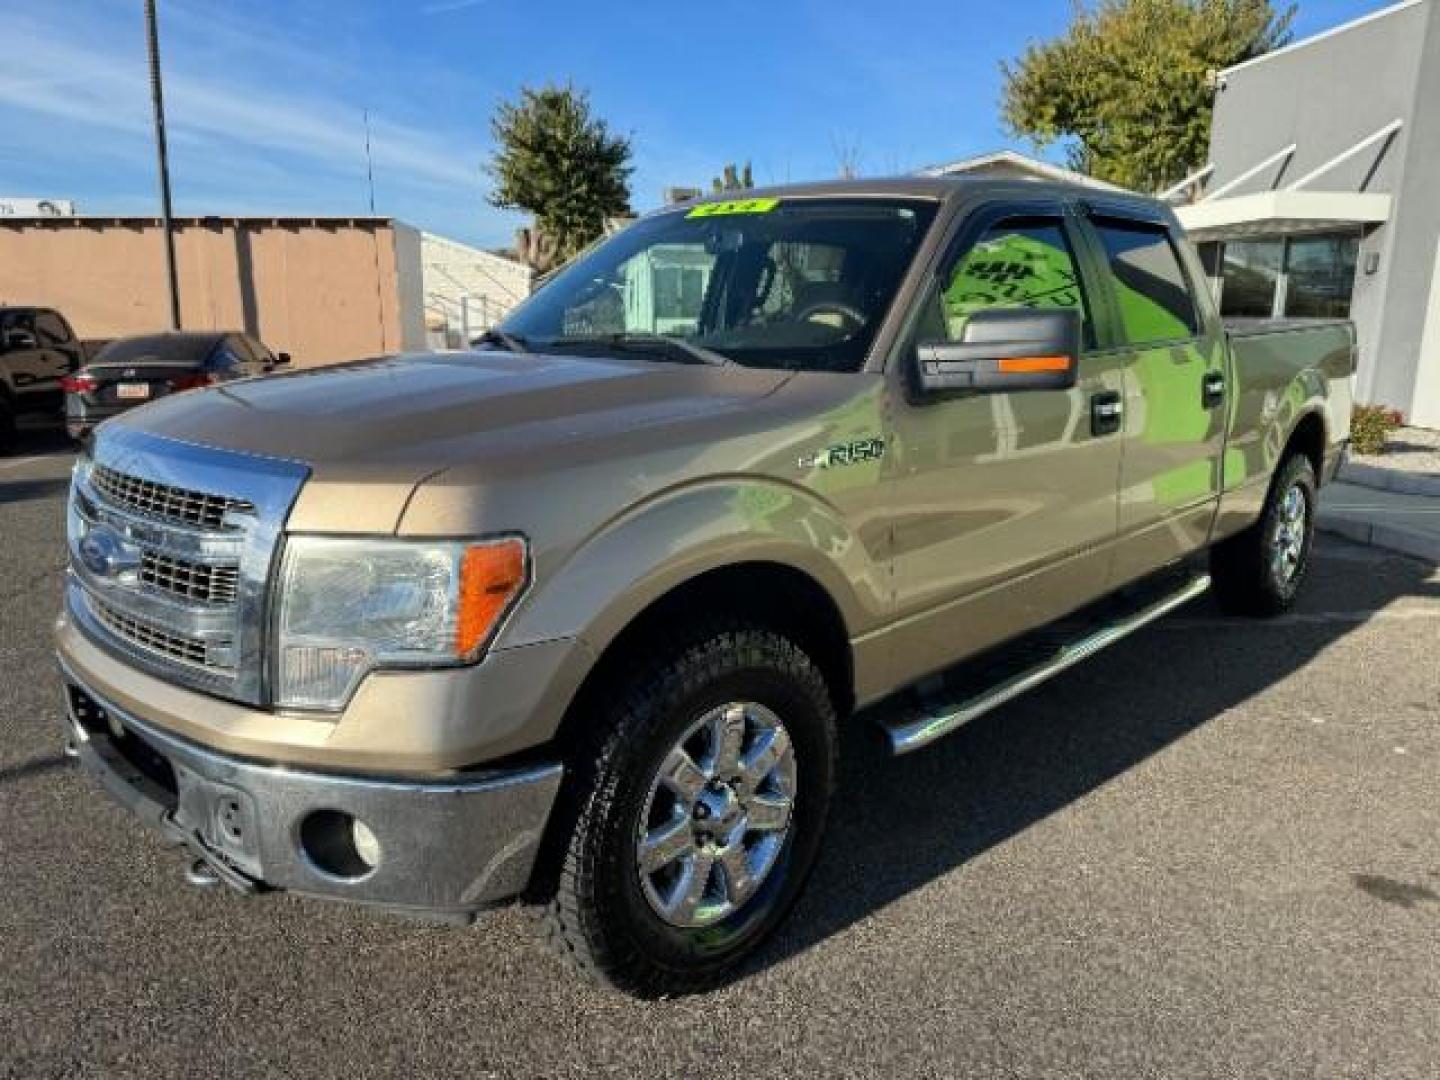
282, 359
1004, 349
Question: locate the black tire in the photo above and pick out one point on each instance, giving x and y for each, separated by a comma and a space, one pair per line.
598, 917
1247, 578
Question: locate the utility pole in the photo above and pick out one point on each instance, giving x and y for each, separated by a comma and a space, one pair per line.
157, 99
369, 166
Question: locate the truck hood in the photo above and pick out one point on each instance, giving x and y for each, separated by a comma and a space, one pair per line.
389, 423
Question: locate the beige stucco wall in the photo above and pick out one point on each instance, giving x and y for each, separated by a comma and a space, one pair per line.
322, 291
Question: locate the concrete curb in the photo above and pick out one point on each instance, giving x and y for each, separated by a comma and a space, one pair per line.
1391, 537
1373, 476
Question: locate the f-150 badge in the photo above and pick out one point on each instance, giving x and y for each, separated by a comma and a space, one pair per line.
851, 453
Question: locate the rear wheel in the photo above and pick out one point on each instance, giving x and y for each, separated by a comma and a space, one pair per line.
1259, 571
695, 814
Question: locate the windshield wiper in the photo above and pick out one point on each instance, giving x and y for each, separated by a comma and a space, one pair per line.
641, 342
512, 342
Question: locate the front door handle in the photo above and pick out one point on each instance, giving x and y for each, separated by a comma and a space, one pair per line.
1107, 412
1212, 389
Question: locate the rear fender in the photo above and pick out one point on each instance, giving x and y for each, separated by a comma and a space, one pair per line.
1275, 398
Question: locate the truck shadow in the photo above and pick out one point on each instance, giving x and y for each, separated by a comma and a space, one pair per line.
18, 491
899, 823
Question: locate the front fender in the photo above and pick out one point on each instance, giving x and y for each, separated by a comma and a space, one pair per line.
639, 556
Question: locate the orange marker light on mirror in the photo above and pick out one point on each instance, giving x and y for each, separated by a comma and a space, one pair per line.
1030, 365
492, 576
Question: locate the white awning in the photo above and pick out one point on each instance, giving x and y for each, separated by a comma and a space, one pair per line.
1286, 213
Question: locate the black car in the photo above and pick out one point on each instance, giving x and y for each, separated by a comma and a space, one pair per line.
37, 351
132, 371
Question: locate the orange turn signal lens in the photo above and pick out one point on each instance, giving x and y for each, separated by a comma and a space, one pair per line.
1030, 365
492, 577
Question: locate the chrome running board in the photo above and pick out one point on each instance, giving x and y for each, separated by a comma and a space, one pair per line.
910, 732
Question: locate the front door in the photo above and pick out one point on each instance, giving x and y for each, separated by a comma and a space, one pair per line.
1175, 387
1005, 501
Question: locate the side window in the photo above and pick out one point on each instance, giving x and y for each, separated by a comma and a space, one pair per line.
1017, 263
256, 354
50, 329
229, 357
1150, 286
21, 324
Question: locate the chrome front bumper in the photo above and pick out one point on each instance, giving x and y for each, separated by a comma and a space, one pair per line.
447, 847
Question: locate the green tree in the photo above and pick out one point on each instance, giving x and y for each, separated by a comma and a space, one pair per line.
560, 163
1128, 87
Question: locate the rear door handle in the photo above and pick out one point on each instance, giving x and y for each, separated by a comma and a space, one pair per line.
1212, 389
1107, 412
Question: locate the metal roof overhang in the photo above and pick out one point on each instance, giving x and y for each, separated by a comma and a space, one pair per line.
1283, 213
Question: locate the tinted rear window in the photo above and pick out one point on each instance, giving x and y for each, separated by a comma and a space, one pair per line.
1150, 284
165, 348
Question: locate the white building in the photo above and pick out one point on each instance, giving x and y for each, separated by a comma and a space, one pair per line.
1010, 165
17, 206
466, 289
1319, 198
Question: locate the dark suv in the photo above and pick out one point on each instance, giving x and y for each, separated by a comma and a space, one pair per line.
37, 350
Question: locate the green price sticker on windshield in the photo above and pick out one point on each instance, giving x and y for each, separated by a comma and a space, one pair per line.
734, 206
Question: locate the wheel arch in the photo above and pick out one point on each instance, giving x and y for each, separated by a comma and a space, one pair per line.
768, 592
1308, 437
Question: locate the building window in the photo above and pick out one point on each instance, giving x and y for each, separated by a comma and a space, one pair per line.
1320, 272
1250, 274
1297, 277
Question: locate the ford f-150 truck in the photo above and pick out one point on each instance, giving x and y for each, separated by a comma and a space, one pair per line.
574, 616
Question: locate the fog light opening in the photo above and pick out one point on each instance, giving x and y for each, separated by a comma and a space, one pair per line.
339, 845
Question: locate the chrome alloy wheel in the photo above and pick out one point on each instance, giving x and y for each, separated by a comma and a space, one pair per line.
1287, 543
717, 815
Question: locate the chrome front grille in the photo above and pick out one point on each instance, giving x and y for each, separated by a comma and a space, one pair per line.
198, 508
171, 547
190, 580
188, 650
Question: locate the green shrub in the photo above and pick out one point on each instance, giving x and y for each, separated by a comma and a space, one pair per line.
1370, 425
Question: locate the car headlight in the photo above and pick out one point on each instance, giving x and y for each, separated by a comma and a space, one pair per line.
351, 606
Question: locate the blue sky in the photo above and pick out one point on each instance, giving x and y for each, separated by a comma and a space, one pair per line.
265, 97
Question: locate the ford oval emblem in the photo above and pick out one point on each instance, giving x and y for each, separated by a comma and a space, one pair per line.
106, 554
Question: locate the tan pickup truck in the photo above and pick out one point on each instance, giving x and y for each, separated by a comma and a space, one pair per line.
574, 616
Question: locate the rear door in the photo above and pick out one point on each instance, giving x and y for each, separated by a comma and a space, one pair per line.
1004, 502
1173, 363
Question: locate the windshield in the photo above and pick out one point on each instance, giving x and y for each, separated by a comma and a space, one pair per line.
800, 284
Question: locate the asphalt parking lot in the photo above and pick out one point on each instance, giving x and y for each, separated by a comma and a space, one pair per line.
1215, 851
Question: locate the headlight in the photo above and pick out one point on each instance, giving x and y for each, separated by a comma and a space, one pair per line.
348, 607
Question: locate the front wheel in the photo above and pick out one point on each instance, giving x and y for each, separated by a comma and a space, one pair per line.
695, 813
1259, 571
